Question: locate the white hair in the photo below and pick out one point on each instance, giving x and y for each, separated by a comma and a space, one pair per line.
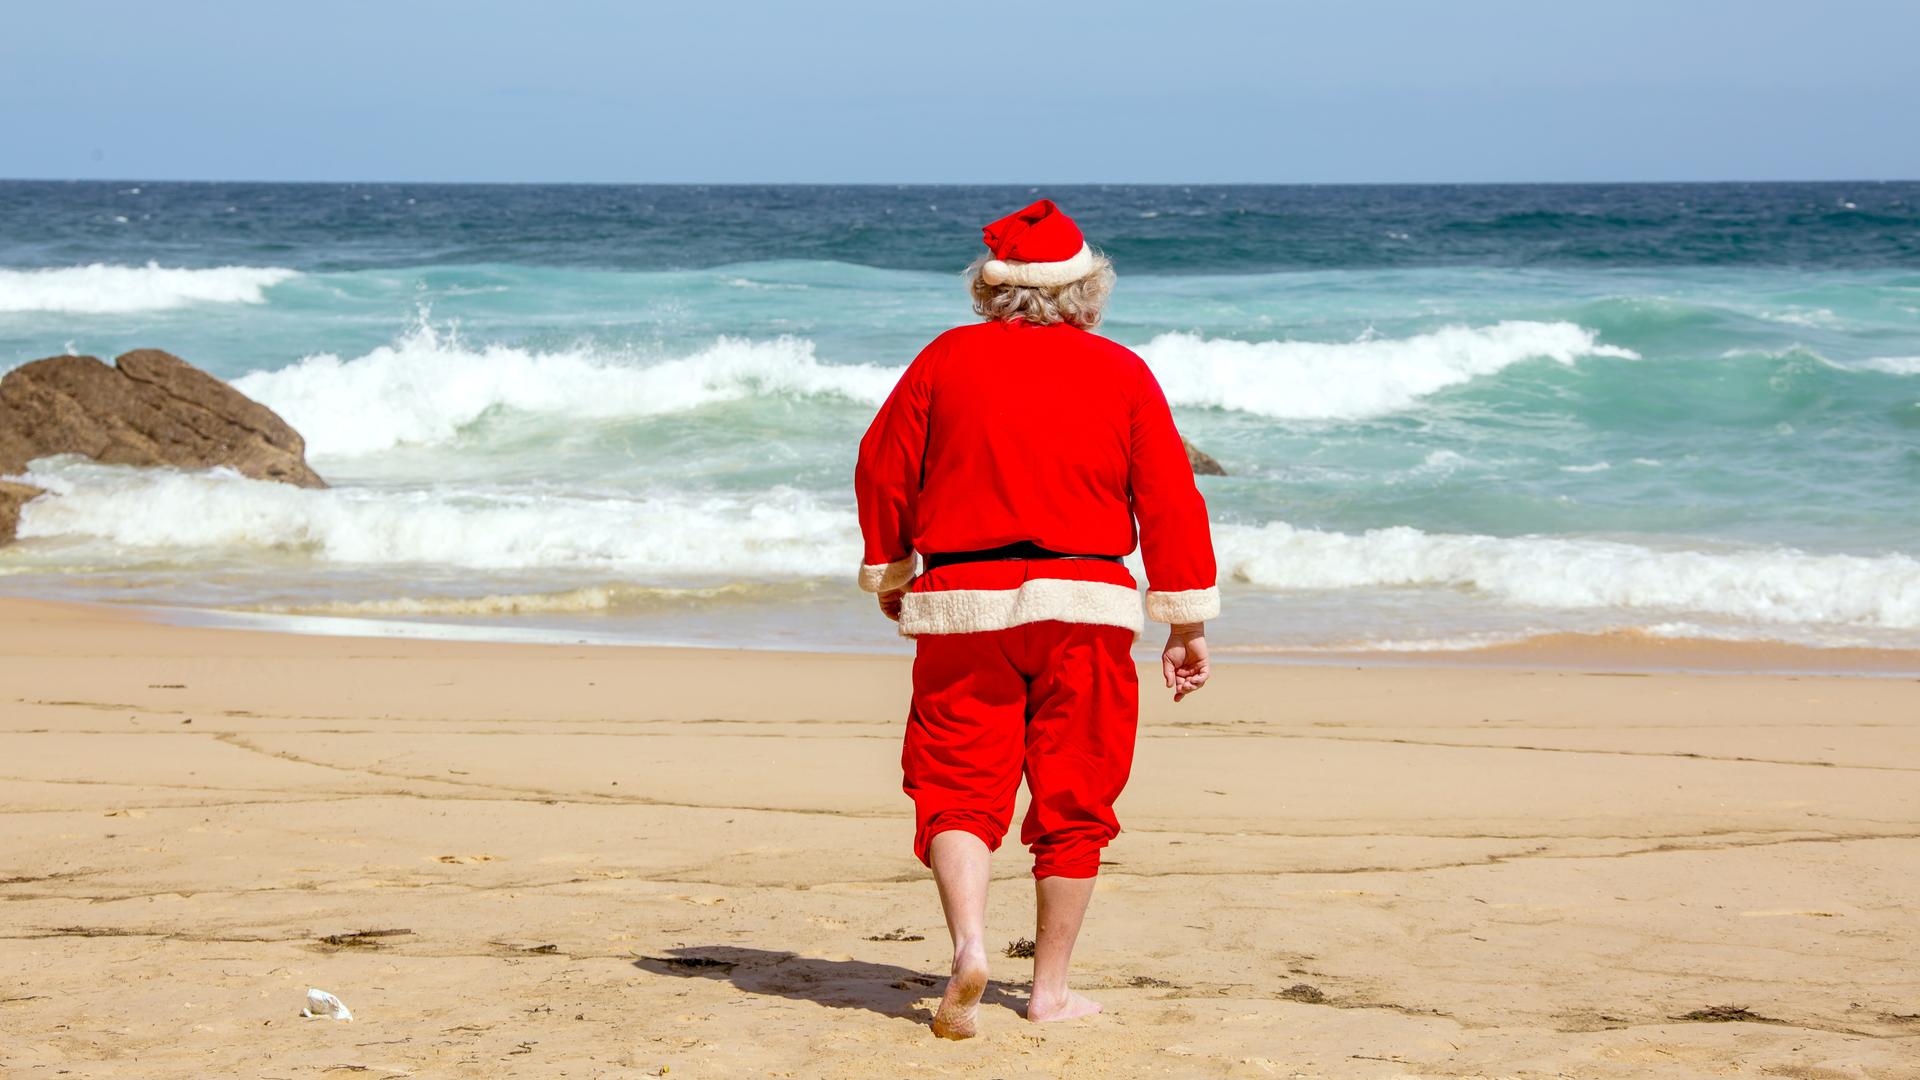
1081, 302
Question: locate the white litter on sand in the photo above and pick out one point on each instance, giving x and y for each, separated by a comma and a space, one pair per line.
320, 1003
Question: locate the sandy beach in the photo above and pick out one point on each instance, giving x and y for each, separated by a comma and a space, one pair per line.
517, 860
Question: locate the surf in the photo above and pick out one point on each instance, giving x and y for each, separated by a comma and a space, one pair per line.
101, 289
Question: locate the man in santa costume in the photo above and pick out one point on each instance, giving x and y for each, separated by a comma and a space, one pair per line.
1014, 458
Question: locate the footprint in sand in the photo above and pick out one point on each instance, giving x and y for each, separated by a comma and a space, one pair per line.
460, 860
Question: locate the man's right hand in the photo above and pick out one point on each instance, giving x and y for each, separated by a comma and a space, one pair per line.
1184, 660
890, 603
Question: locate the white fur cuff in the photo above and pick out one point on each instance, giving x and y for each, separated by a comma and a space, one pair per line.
1193, 605
1043, 274
886, 577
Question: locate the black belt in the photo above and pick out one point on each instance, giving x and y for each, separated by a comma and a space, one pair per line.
1025, 549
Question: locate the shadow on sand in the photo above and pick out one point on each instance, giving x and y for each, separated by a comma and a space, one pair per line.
840, 984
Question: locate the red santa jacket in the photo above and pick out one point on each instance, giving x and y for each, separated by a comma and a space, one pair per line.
1004, 431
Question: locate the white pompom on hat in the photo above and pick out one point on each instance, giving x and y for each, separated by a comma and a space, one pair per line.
1036, 246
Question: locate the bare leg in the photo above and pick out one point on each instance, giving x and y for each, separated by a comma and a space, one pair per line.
960, 868
1062, 903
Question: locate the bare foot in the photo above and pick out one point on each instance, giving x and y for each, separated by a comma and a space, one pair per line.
955, 1020
1069, 1006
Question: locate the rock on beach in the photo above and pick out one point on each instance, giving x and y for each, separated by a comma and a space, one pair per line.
149, 408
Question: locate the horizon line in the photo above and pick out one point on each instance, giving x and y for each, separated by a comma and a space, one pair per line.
946, 183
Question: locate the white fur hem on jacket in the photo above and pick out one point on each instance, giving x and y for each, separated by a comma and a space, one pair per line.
886, 576
968, 611
1191, 606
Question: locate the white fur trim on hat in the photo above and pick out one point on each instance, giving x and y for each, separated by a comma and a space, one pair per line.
1043, 274
1191, 606
968, 611
886, 576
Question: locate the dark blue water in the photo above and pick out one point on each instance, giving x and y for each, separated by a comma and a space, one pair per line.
1193, 229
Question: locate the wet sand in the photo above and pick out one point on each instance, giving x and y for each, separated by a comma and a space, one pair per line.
530, 860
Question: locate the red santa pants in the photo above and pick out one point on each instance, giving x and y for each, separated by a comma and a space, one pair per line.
1059, 701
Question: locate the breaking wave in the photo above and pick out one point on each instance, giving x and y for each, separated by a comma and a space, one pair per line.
779, 532
1305, 380
1765, 585
100, 289
428, 385
1895, 365
786, 534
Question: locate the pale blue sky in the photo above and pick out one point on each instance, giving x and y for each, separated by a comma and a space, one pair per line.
731, 90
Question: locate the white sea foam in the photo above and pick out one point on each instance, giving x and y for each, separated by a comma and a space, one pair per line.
100, 289
113, 513
1808, 317
1772, 585
771, 286
1460, 643
427, 386
589, 599
1896, 365
1350, 380
1443, 461
779, 532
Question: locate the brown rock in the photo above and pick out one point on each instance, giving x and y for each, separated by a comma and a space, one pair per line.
1202, 462
12, 497
150, 408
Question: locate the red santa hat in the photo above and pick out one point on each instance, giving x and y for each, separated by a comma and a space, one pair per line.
1039, 245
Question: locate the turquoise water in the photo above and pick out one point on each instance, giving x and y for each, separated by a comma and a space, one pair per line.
1693, 410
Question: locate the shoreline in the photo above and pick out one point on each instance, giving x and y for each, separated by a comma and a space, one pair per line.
1632, 651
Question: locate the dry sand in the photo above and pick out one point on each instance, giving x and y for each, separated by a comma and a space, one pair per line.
607, 861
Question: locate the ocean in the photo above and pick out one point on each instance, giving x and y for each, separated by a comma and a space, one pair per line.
1451, 415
